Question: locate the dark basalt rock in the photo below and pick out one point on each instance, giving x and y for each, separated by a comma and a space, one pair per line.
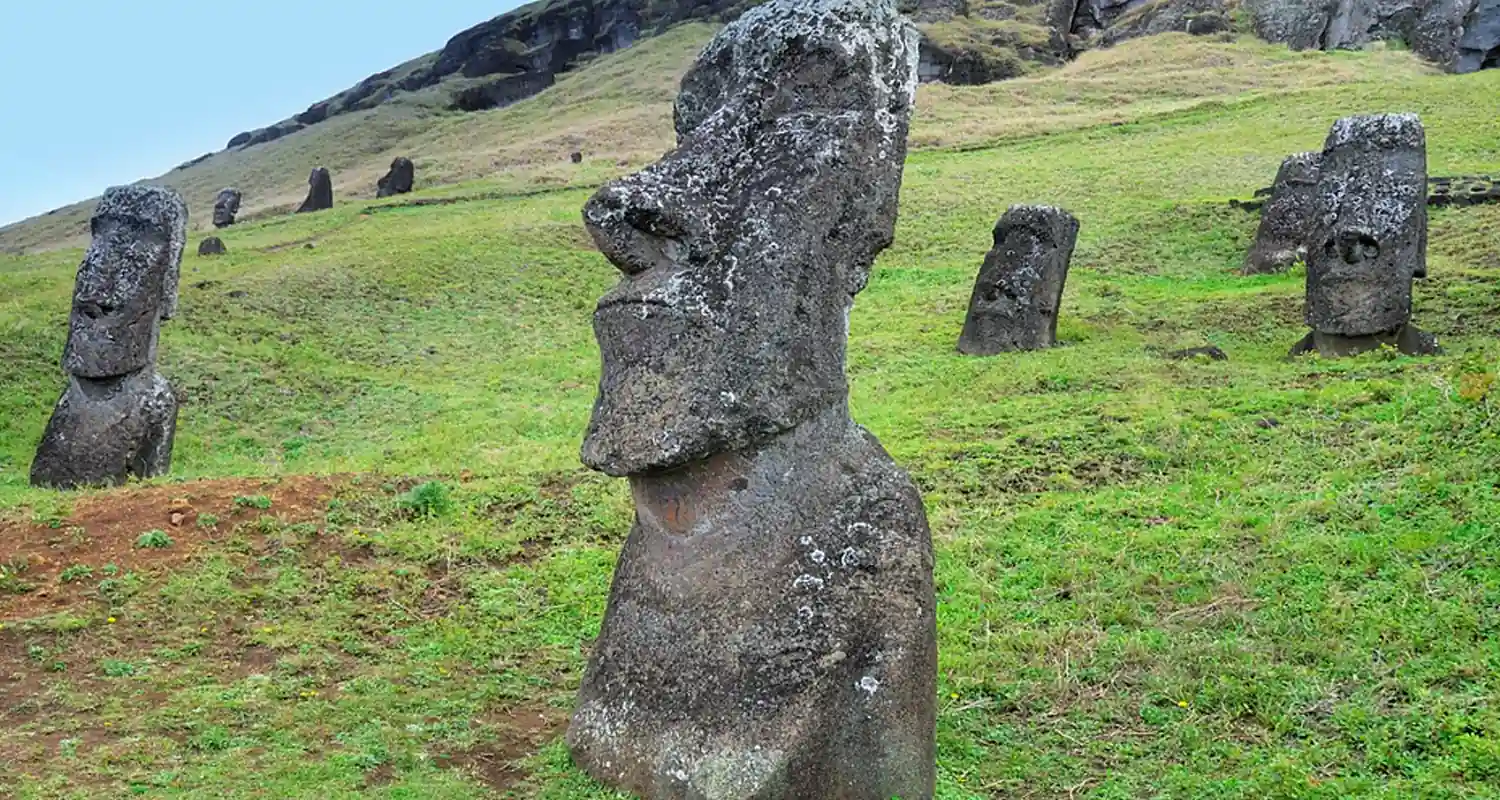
117, 417
399, 180
1019, 290
1287, 218
770, 630
1479, 47
319, 192
1210, 352
226, 207
576, 157
1369, 240
212, 246
1466, 190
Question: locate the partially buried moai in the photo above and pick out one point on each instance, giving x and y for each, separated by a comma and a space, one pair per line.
1369, 239
770, 631
1288, 217
319, 192
399, 180
117, 417
1019, 290
226, 207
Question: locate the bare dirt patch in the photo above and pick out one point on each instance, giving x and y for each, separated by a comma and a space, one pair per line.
518, 734
103, 529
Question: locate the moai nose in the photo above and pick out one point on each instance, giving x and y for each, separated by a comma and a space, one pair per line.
634, 227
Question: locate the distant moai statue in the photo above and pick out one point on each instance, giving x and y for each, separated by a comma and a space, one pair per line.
212, 246
399, 180
576, 157
1019, 289
226, 207
770, 631
1369, 240
1288, 217
117, 417
319, 192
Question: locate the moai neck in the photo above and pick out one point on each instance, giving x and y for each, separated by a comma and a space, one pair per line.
696, 496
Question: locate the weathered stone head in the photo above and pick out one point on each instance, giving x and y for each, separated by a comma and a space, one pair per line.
1019, 289
1370, 237
226, 207
742, 249
1288, 218
399, 180
127, 283
319, 192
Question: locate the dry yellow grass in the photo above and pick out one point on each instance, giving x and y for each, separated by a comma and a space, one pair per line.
618, 112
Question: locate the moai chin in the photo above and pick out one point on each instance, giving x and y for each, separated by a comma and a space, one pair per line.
319, 192
1288, 217
1019, 288
1369, 239
770, 631
226, 207
399, 180
117, 416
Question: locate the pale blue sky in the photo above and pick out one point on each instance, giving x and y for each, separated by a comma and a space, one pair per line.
95, 93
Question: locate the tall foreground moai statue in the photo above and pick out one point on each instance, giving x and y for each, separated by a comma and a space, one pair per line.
1369, 239
117, 417
770, 631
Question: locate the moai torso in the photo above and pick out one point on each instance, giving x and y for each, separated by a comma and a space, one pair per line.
770, 631
1019, 289
117, 417
1288, 218
1369, 240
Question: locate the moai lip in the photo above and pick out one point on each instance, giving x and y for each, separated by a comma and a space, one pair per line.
319, 192
1019, 290
1370, 238
117, 417
770, 631
1288, 217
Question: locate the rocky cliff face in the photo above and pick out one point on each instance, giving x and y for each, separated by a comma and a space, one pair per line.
521, 53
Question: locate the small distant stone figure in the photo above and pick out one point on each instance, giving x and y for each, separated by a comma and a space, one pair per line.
226, 207
1020, 286
770, 631
212, 246
1288, 217
319, 192
577, 157
117, 417
399, 180
1369, 240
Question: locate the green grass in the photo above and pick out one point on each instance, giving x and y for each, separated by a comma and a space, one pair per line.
1257, 578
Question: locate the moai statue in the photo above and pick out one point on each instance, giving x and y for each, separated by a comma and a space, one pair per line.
1287, 219
770, 631
319, 192
1369, 238
1020, 286
212, 246
399, 180
226, 207
118, 416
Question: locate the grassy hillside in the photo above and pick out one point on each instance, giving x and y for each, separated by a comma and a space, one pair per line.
1259, 578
